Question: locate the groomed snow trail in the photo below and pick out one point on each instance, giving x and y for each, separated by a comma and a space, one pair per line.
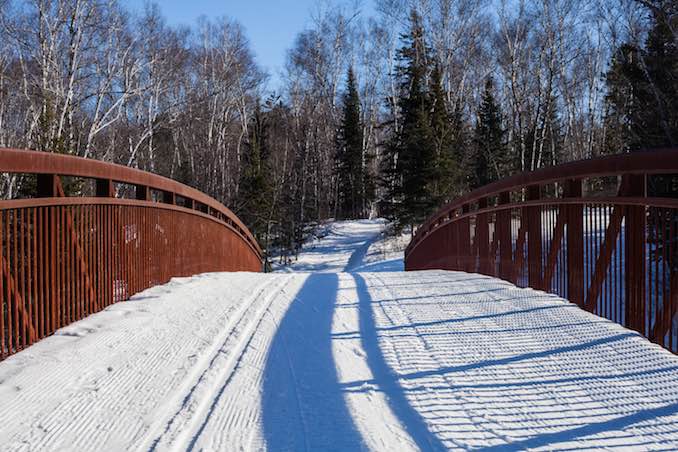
349, 357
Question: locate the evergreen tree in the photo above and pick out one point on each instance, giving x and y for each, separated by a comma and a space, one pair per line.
350, 169
411, 152
489, 160
254, 195
642, 99
661, 70
627, 93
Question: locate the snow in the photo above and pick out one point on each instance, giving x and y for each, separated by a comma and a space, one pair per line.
337, 246
336, 353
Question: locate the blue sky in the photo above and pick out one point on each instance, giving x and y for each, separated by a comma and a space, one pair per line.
271, 25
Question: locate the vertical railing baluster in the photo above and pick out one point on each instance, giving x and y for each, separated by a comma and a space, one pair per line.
634, 236
575, 243
21, 281
503, 229
3, 300
534, 243
14, 279
482, 238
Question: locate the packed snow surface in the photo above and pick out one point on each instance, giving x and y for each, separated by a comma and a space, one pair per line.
348, 357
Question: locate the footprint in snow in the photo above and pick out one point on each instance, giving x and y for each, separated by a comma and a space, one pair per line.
75, 331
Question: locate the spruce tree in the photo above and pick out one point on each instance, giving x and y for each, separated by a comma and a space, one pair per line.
412, 149
642, 99
489, 160
350, 168
254, 194
661, 70
627, 95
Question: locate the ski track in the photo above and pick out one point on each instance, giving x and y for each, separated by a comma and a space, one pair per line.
354, 360
216, 367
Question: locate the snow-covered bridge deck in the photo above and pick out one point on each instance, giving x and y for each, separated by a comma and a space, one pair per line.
342, 361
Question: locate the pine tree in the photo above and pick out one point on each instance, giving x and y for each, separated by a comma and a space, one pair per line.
350, 169
411, 153
627, 93
416, 158
642, 99
490, 160
254, 193
661, 71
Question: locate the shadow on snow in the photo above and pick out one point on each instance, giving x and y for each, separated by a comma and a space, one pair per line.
303, 403
385, 378
304, 406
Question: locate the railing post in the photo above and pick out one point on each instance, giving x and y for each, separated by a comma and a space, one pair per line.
48, 186
464, 238
451, 240
634, 253
482, 238
143, 193
575, 243
534, 234
168, 197
503, 229
104, 188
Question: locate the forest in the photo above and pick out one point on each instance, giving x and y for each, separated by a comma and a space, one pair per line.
386, 114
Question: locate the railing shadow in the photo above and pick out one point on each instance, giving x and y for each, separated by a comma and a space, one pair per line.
503, 361
591, 429
384, 377
303, 403
568, 388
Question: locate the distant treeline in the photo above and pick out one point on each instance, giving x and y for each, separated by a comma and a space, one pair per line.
386, 115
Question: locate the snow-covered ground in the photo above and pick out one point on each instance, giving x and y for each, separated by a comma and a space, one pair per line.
350, 246
348, 357
337, 247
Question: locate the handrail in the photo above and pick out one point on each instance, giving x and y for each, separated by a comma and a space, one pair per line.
63, 258
616, 256
648, 162
89, 201
36, 162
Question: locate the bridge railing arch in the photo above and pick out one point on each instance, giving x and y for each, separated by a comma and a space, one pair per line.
613, 253
65, 257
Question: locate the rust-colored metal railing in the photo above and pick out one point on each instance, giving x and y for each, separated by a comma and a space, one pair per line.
64, 258
602, 233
